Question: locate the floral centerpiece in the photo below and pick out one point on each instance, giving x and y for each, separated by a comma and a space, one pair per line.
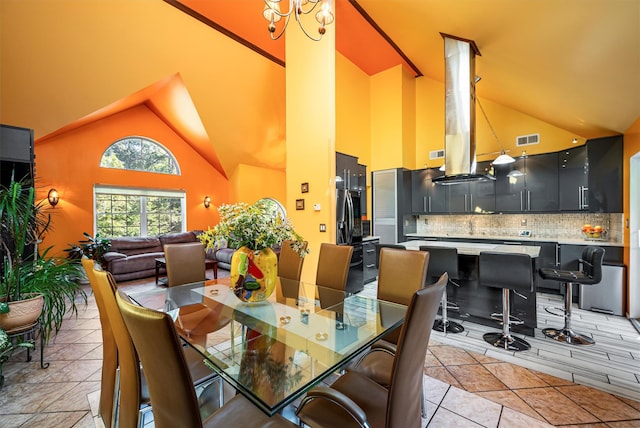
253, 230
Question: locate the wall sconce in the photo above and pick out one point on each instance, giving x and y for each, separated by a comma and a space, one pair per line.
53, 197
207, 202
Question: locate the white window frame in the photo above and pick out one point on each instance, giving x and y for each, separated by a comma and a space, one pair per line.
142, 192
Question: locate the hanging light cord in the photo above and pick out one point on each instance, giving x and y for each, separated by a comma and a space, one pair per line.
487, 119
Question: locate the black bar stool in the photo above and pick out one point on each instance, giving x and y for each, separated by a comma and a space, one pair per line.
443, 260
508, 272
589, 272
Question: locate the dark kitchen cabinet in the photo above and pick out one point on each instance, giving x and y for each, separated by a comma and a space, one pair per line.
353, 176
362, 186
605, 174
426, 197
573, 179
484, 192
530, 184
346, 171
369, 259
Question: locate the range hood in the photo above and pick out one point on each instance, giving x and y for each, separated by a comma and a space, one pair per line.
460, 112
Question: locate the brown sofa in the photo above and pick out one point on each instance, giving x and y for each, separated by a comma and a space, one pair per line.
134, 257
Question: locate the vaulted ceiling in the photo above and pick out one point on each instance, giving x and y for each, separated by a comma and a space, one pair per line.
573, 63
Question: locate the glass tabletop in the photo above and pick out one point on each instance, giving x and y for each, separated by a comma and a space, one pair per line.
274, 351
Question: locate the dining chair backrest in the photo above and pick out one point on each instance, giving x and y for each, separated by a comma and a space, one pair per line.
290, 262
441, 260
185, 263
403, 403
401, 274
333, 265
170, 385
381, 246
109, 351
128, 363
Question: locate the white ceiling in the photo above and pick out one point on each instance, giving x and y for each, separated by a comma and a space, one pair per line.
572, 63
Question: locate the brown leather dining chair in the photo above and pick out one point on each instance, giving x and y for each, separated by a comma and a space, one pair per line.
290, 262
130, 396
333, 265
170, 385
355, 400
109, 353
185, 263
402, 272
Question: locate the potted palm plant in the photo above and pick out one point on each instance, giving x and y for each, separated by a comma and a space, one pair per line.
26, 276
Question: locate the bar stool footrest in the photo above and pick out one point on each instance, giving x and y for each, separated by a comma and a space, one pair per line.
447, 326
512, 320
556, 311
507, 342
453, 306
567, 335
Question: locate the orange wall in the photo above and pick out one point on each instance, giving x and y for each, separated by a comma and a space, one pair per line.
250, 183
70, 163
311, 139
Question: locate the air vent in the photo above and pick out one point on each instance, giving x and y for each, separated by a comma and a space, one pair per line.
526, 140
436, 154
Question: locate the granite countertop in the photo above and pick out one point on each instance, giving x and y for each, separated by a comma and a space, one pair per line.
475, 248
524, 239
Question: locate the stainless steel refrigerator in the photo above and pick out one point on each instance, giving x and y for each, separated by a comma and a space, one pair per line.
349, 232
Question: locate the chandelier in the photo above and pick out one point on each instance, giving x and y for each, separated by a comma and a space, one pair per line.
273, 14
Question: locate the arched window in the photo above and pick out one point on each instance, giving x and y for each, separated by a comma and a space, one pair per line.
140, 154
275, 207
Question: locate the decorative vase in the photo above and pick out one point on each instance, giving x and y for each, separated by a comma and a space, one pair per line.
22, 313
253, 274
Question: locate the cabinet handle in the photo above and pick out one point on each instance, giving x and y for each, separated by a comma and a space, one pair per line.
424, 203
429, 203
470, 203
372, 265
579, 197
521, 202
557, 255
371, 251
528, 200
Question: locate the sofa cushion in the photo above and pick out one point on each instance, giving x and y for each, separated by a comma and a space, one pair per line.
224, 255
177, 238
135, 245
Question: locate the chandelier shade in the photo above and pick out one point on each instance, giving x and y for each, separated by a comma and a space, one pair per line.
297, 8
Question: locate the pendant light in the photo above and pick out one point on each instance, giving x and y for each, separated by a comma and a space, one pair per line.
503, 158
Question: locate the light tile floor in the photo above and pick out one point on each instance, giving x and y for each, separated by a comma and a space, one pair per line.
468, 383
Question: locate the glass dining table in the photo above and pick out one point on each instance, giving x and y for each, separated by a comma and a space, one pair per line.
274, 351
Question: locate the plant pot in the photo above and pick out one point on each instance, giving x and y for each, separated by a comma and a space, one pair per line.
22, 313
253, 274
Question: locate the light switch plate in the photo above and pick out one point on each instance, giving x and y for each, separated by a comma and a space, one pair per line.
323, 227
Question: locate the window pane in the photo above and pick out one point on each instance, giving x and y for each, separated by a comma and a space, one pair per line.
139, 154
137, 215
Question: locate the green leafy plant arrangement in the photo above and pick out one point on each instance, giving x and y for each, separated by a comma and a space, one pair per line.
23, 223
93, 247
254, 226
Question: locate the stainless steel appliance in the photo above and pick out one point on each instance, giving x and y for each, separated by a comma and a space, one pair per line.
349, 232
607, 295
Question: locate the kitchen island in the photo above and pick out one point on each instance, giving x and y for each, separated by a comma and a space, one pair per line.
477, 303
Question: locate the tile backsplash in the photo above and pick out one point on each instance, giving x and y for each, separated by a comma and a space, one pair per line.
555, 226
